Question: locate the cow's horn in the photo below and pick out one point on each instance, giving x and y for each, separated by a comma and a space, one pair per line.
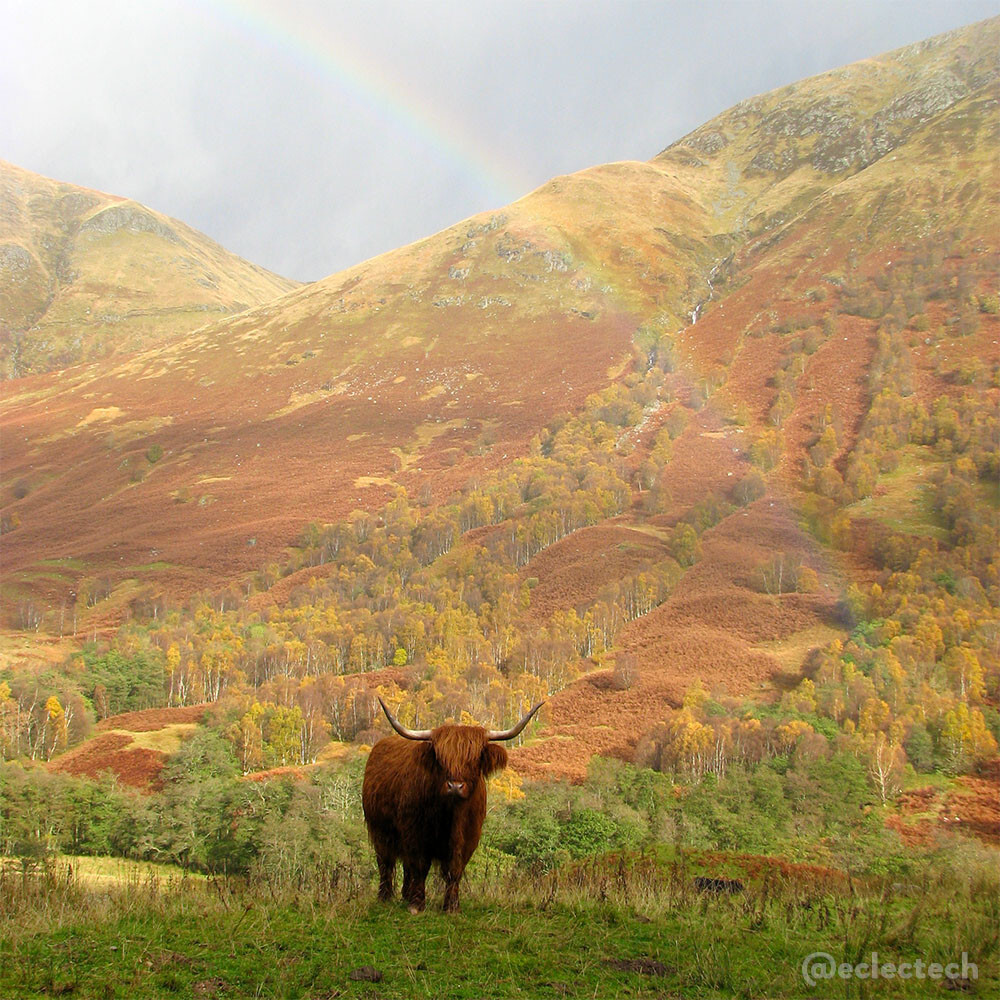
509, 734
410, 734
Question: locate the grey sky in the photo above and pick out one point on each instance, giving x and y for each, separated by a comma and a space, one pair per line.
307, 135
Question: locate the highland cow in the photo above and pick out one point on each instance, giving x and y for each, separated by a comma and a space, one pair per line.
424, 798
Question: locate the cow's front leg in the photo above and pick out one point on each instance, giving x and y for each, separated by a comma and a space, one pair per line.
414, 879
464, 840
451, 883
452, 872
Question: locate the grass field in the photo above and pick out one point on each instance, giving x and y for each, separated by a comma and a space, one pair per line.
903, 497
601, 929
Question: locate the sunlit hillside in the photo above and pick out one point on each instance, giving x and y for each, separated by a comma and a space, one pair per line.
84, 275
718, 426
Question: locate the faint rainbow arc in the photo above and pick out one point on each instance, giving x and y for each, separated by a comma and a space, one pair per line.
370, 85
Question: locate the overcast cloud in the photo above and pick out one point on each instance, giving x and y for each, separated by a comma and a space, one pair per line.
307, 135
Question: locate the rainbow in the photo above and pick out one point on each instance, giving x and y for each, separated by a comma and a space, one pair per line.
313, 46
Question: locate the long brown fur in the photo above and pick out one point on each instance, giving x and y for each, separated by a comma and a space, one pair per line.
413, 817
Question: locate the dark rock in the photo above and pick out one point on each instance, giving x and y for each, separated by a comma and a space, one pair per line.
366, 974
718, 886
923, 102
706, 141
644, 966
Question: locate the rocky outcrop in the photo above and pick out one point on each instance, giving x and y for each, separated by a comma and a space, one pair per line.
706, 141
15, 261
128, 217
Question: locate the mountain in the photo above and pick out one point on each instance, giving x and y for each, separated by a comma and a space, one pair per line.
724, 329
85, 274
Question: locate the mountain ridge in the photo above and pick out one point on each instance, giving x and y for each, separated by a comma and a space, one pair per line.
84, 274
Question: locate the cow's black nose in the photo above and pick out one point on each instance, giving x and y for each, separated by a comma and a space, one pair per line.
456, 786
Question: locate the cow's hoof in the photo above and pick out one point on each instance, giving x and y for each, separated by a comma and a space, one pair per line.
415, 909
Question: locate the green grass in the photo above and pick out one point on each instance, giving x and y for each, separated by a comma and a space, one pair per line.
152, 567
123, 873
931, 779
597, 930
903, 500
69, 563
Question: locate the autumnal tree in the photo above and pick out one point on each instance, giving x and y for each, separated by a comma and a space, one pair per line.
55, 727
966, 672
626, 671
8, 722
684, 544
248, 739
886, 763
282, 743
965, 738
766, 450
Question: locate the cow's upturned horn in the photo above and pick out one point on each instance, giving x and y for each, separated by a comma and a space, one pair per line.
509, 734
410, 734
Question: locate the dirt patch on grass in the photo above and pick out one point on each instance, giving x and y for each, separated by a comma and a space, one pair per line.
644, 966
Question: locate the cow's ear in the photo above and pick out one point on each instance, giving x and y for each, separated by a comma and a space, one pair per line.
494, 758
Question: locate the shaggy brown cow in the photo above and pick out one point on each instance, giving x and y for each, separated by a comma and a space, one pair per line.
424, 798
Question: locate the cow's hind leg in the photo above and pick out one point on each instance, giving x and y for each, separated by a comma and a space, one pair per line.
414, 877
386, 875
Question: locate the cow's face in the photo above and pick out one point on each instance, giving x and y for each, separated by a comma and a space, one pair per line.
463, 756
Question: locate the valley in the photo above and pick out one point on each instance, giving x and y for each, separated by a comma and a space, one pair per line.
702, 452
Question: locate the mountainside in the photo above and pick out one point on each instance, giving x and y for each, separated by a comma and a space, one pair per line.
646, 391
85, 274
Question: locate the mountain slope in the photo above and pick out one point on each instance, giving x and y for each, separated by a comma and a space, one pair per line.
425, 365
85, 274
753, 293
441, 358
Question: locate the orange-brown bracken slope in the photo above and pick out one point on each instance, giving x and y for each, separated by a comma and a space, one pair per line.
755, 252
